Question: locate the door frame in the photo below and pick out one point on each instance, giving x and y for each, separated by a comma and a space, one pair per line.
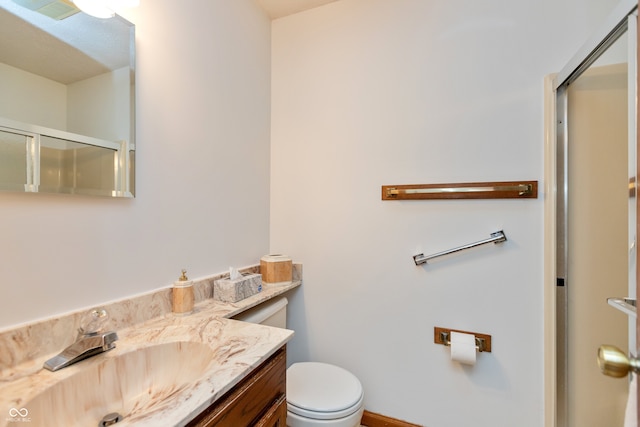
552, 156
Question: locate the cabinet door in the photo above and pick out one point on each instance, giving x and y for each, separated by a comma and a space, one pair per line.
253, 397
276, 416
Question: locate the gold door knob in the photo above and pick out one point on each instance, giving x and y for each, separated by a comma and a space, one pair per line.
615, 363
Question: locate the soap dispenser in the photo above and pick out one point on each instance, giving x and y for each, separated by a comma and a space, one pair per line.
183, 295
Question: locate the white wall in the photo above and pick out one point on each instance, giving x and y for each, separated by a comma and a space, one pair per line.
373, 92
29, 98
100, 106
203, 88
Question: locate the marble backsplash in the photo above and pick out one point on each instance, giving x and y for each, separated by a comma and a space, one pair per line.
30, 342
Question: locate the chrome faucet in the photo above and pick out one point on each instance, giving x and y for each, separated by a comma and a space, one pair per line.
90, 341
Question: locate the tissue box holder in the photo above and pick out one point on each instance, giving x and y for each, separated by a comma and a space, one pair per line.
227, 290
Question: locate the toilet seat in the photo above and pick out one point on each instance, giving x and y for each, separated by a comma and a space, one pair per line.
316, 415
322, 391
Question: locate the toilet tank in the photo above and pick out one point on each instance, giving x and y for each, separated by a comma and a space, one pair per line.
271, 313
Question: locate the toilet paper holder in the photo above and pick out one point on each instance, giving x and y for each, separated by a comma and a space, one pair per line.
443, 336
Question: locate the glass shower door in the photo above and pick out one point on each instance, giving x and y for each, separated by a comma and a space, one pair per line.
596, 223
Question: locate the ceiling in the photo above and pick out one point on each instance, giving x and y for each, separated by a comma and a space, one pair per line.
65, 51
279, 8
73, 53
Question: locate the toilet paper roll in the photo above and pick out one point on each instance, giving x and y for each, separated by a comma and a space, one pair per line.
463, 348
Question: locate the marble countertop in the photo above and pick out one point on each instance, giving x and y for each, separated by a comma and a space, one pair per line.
221, 352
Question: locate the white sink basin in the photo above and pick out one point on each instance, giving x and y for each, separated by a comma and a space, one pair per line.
132, 384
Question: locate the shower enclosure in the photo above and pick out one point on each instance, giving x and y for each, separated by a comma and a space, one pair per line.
592, 147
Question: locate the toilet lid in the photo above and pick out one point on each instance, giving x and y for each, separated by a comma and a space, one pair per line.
322, 391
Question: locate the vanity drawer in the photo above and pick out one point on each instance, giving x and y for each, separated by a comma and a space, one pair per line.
257, 398
276, 415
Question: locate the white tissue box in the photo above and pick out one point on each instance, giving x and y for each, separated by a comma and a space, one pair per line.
228, 290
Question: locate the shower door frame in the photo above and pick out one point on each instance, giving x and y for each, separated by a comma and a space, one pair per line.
556, 147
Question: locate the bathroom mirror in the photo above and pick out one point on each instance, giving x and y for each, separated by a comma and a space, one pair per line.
66, 100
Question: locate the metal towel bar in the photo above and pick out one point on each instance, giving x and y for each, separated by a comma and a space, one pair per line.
462, 190
497, 237
521, 189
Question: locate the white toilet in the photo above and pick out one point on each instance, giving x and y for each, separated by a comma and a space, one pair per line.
318, 394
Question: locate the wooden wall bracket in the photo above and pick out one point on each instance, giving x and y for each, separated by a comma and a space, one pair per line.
464, 190
443, 336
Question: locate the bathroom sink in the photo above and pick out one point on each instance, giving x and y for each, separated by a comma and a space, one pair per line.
132, 384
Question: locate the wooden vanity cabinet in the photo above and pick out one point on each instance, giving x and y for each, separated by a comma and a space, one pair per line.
258, 400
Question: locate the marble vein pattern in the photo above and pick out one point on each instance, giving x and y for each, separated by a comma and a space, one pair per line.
164, 370
227, 290
42, 338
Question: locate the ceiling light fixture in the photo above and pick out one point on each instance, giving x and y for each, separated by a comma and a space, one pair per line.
103, 8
